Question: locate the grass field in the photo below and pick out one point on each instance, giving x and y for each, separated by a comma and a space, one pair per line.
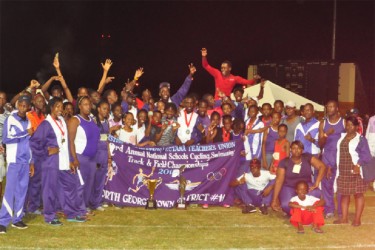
195, 228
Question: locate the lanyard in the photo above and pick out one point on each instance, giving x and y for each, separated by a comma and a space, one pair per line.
191, 117
62, 132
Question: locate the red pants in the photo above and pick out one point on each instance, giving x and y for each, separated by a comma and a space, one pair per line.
306, 217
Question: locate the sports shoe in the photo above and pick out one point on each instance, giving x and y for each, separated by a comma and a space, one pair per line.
55, 222
205, 206
263, 209
3, 230
100, 208
77, 219
19, 225
249, 209
89, 212
37, 212
330, 215
105, 205
226, 205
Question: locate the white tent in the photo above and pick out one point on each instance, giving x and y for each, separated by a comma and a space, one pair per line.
274, 92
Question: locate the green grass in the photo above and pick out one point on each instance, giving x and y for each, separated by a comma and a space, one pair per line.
195, 228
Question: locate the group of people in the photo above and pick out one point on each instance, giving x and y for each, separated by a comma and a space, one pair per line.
57, 152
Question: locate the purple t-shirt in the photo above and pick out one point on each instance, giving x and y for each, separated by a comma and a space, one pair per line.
304, 174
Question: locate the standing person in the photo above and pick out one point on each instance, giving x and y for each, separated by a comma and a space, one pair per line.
291, 170
3, 115
224, 80
253, 141
269, 138
203, 120
281, 148
34, 191
166, 136
352, 153
370, 136
16, 135
50, 144
291, 120
103, 160
83, 137
330, 130
188, 132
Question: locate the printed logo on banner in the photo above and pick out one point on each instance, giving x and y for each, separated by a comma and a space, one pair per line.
208, 172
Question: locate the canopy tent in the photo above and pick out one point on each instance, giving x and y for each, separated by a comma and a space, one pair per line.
274, 92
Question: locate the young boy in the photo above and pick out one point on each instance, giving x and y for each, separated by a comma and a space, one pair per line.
306, 209
258, 189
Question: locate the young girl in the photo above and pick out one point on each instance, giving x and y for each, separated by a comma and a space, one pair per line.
116, 115
306, 209
214, 133
127, 134
282, 147
269, 138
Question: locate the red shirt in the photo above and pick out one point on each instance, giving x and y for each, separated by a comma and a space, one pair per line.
224, 83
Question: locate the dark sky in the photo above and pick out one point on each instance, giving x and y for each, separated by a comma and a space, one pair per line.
164, 37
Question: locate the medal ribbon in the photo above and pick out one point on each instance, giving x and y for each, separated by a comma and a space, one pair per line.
188, 122
62, 132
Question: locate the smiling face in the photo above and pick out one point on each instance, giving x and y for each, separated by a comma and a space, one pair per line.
56, 109
189, 104
128, 119
225, 69
350, 128
164, 93
215, 119
302, 190
39, 102
202, 109
296, 150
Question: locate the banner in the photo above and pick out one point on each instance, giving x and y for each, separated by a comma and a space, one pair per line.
208, 171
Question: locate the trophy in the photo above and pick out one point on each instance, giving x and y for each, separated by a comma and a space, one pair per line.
151, 185
182, 188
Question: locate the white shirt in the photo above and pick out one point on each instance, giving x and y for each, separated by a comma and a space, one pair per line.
308, 201
260, 182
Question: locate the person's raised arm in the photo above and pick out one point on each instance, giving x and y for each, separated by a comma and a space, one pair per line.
46, 86
56, 64
261, 90
67, 92
184, 89
33, 84
212, 71
105, 80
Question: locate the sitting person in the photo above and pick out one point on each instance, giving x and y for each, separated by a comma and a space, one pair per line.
258, 189
306, 209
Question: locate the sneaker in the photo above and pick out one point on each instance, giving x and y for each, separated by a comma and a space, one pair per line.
3, 230
105, 205
330, 215
226, 205
19, 225
205, 206
55, 222
100, 208
77, 219
263, 209
37, 212
90, 212
249, 209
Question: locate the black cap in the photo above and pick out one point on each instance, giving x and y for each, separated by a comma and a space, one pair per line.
24, 98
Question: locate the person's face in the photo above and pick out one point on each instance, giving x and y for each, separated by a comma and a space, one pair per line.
238, 96
296, 150
23, 107
113, 97
227, 110
202, 109
160, 106
301, 191
252, 102
189, 105
282, 132
39, 103
252, 112
130, 100
3, 99
57, 93
278, 107
103, 110
95, 97
215, 119
129, 120
82, 92
146, 95
69, 111
350, 128
157, 117
142, 116
255, 169
266, 110
169, 113
237, 128
227, 123
308, 112
225, 69
85, 106
117, 112
57, 109
164, 93
290, 110
276, 118
331, 108
211, 101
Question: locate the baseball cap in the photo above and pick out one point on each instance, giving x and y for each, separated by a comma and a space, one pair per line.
24, 98
290, 104
164, 84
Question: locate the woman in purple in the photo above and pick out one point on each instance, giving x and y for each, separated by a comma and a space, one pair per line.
352, 153
293, 169
84, 136
102, 157
50, 144
270, 136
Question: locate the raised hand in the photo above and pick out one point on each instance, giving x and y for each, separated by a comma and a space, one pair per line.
204, 52
138, 73
107, 65
34, 84
192, 69
109, 79
56, 62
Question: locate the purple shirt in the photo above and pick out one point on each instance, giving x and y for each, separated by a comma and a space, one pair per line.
330, 148
304, 174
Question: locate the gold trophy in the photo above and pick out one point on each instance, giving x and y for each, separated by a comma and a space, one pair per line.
151, 185
182, 188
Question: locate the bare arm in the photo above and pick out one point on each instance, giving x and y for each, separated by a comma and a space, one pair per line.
321, 167
104, 81
46, 86
72, 131
67, 92
264, 158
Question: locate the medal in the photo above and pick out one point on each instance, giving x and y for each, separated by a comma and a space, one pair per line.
187, 131
61, 129
188, 122
63, 140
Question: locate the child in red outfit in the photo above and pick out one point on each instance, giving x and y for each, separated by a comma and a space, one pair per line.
306, 209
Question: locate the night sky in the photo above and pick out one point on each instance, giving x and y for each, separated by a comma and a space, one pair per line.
164, 37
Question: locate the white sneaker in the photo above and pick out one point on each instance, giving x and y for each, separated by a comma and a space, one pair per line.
100, 208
